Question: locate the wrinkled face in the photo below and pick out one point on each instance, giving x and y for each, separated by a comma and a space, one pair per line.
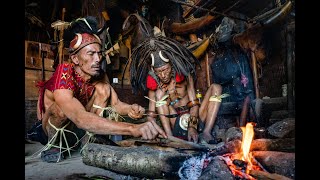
164, 73
88, 59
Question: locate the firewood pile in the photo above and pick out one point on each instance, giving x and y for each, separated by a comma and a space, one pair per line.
272, 149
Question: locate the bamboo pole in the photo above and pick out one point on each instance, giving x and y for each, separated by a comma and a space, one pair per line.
207, 70
255, 73
290, 96
61, 38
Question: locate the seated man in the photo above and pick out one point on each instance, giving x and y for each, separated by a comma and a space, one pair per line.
67, 99
170, 84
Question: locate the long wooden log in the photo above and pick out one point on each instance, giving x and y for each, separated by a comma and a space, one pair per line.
142, 161
282, 163
262, 175
283, 145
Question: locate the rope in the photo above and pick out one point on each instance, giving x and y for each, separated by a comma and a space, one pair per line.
161, 102
113, 115
53, 139
91, 139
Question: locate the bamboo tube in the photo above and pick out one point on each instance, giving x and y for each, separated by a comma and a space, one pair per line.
61, 38
255, 73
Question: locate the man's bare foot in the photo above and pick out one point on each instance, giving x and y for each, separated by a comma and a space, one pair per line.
211, 139
207, 137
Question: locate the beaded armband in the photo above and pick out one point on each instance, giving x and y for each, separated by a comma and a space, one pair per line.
193, 122
193, 103
172, 103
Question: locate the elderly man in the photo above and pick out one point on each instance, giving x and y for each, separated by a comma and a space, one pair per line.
169, 72
69, 99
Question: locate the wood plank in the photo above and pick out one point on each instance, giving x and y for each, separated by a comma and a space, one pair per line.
31, 78
48, 64
32, 49
33, 62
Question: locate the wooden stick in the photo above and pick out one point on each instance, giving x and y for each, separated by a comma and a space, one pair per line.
207, 70
61, 38
255, 73
244, 112
188, 143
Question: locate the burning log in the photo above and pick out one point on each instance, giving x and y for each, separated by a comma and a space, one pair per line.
282, 163
262, 175
283, 145
228, 147
244, 112
138, 161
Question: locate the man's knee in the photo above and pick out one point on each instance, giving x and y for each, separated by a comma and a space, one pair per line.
216, 88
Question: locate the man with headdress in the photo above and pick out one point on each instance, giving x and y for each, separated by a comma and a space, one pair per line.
74, 97
166, 69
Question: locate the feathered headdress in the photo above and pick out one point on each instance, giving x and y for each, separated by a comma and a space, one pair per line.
156, 52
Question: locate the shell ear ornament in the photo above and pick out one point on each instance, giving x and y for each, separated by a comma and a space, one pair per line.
163, 58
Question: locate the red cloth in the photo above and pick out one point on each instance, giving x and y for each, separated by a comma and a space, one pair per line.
152, 83
65, 77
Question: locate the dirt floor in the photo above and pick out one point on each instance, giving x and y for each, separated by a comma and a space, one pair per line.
70, 168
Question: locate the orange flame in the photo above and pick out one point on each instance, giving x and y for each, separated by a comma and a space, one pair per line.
244, 155
247, 138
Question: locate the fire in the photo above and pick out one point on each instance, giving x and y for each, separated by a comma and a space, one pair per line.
247, 137
241, 163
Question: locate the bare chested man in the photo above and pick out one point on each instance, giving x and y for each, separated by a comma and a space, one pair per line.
67, 98
170, 85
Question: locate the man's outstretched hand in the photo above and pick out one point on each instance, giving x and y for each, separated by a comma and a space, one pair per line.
148, 130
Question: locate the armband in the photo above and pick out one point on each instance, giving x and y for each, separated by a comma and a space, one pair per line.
193, 103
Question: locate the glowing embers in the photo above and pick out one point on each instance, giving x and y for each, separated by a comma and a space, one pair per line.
241, 163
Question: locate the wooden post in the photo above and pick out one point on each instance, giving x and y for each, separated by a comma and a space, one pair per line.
255, 73
207, 70
61, 38
244, 113
290, 97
